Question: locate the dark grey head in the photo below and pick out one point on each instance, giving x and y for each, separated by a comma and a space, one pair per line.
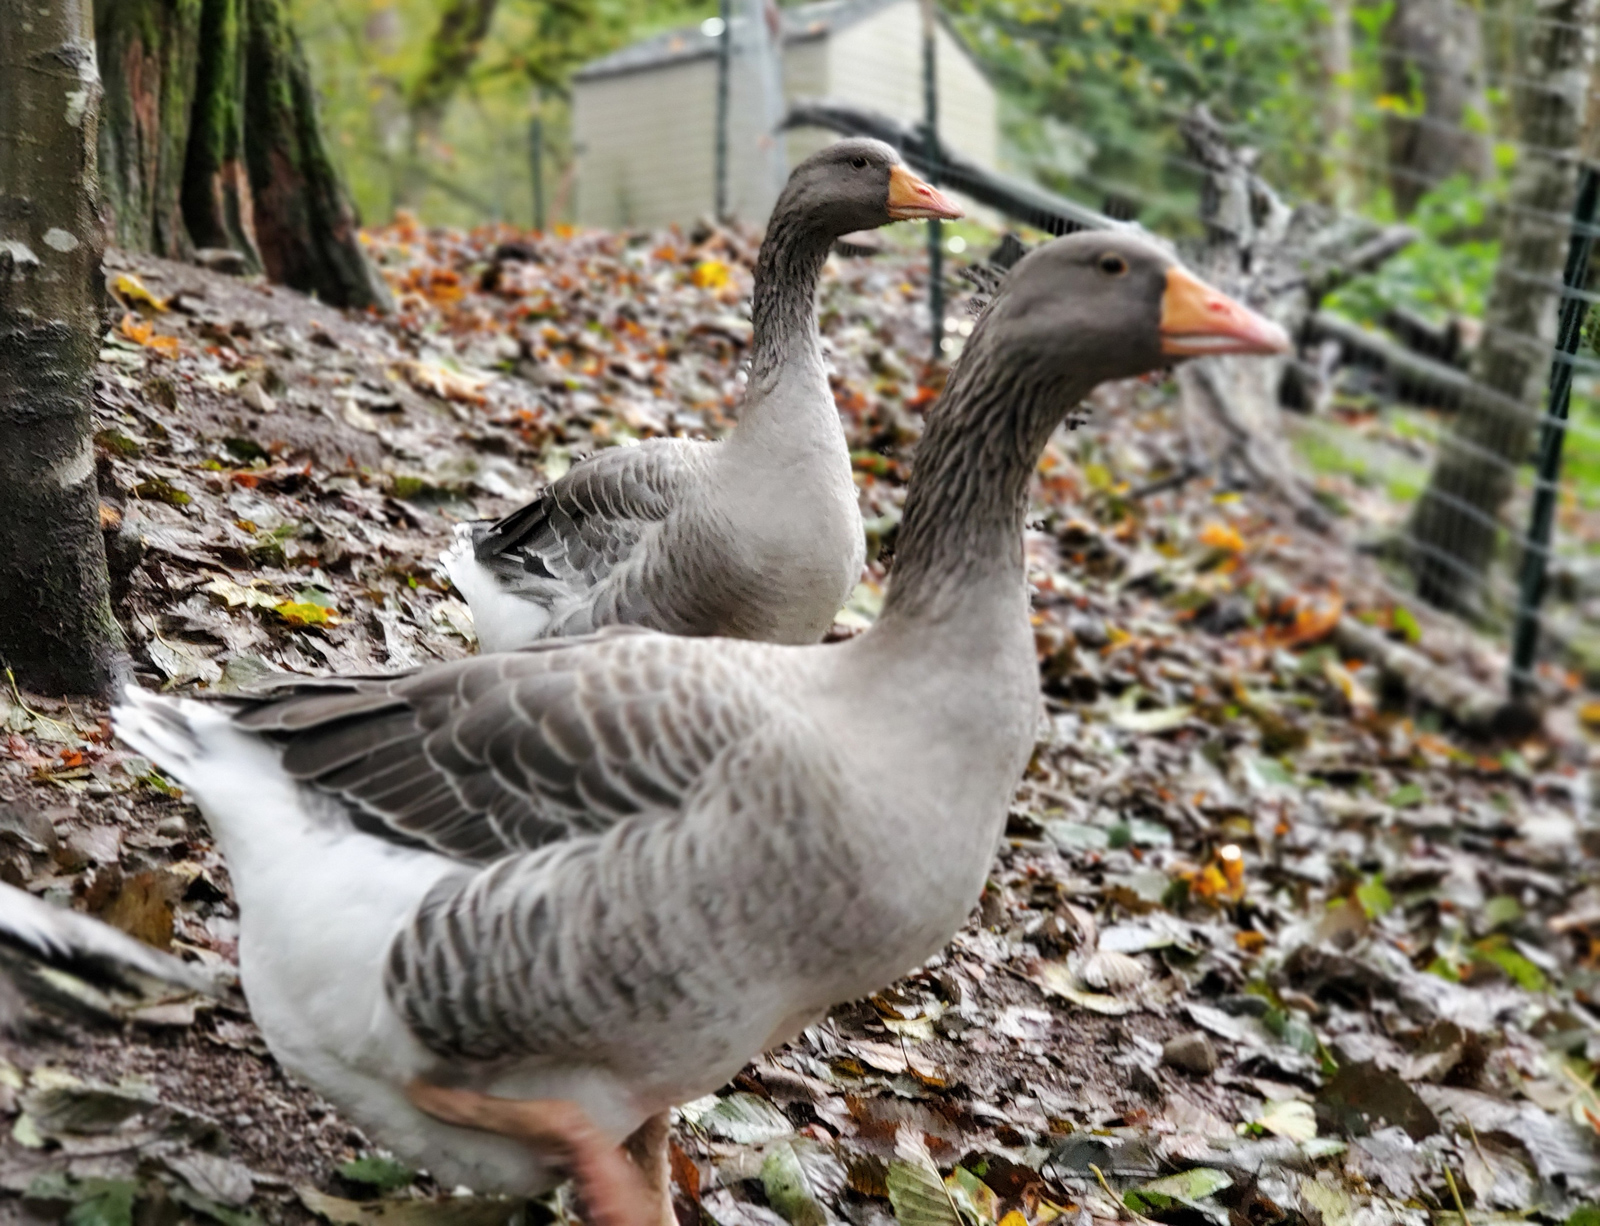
1104, 305
858, 184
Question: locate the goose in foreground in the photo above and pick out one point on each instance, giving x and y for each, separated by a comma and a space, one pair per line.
506, 911
755, 537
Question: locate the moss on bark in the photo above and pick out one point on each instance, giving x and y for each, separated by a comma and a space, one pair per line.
217, 202
305, 223
211, 140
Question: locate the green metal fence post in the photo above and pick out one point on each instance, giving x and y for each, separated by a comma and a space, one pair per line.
1552, 434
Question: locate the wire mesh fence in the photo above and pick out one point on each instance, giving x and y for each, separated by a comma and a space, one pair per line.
1456, 385
1436, 223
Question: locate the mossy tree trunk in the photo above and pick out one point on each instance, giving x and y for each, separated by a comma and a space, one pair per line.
56, 628
147, 51
217, 202
211, 140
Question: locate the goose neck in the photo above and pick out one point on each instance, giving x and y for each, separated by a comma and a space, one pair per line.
784, 307
960, 539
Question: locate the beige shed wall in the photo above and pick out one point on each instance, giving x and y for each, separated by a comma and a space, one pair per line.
805, 75
644, 145
645, 139
878, 63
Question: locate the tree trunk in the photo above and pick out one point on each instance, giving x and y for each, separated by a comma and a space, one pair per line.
305, 223
1433, 52
56, 628
211, 140
452, 51
1455, 523
147, 51
218, 206
1338, 109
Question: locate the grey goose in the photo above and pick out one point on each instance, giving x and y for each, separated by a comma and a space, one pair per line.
506, 911
758, 536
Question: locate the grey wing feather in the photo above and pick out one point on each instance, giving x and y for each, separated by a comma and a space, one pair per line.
496, 754
569, 538
558, 952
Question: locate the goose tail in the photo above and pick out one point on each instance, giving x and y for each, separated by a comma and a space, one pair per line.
235, 776
502, 620
168, 731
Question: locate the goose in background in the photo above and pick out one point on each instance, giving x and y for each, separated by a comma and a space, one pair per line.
755, 537
506, 911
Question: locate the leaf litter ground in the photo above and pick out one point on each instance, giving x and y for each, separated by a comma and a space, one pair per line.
1263, 942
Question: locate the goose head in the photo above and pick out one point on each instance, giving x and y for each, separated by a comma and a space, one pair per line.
1097, 306
859, 184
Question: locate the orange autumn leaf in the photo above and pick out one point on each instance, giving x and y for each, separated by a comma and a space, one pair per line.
1218, 535
144, 334
1314, 620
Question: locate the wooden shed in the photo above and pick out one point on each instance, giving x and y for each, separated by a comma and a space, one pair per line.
644, 118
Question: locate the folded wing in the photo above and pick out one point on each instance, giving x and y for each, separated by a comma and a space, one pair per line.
510, 752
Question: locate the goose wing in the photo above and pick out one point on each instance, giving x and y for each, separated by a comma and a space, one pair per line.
655, 944
495, 754
580, 528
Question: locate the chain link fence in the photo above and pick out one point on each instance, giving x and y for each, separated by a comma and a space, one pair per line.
1427, 234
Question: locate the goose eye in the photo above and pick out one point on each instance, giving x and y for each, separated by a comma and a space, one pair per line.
1113, 265
859, 163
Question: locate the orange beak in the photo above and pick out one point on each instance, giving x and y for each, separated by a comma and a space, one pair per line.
1196, 320
910, 198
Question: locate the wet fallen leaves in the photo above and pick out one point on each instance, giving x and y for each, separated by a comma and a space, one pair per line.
1265, 941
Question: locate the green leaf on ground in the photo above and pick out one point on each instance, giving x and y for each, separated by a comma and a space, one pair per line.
798, 1176
916, 1192
1374, 897
1407, 797
1174, 1191
378, 1171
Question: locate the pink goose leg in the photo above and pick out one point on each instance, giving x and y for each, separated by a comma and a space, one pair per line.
614, 1191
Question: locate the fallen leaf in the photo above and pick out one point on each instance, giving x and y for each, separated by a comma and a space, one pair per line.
236, 594
973, 1198
799, 1177
1182, 1190
710, 274
422, 1211
130, 288
1218, 535
377, 1171
144, 334
445, 383
306, 613
1289, 1118
916, 1192
745, 1119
